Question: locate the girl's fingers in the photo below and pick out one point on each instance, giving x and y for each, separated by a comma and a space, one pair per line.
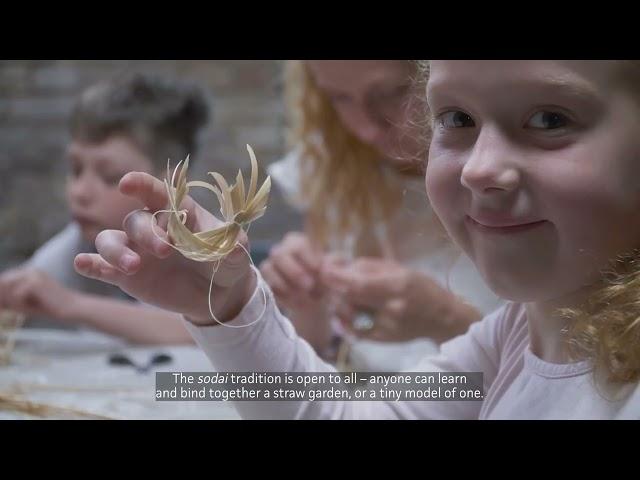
274, 280
293, 272
140, 228
151, 192
112, 247
92, 265
145, 188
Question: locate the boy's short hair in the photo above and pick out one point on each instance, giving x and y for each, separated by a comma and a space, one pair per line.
162, 116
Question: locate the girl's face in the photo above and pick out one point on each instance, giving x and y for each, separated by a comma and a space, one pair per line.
534, 169
92, 188
371, 98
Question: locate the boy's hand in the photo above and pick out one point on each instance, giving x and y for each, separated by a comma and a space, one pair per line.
146, 268
33, 292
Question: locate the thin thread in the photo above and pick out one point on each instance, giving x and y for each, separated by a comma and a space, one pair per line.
264, 295
216, 265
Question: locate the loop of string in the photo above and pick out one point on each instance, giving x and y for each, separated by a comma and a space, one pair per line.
214, 257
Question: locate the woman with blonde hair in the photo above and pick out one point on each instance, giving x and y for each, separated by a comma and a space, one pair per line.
372, 255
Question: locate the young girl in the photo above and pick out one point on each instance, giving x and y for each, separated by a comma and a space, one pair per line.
130, 123
356, 171
533, 170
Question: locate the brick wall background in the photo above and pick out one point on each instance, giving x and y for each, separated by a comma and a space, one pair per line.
36, 97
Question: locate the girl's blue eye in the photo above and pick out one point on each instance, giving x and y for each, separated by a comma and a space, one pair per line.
548, 121
455, 119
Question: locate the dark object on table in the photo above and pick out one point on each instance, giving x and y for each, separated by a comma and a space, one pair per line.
120, 360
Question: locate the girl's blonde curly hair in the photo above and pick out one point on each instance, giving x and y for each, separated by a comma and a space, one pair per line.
344, 183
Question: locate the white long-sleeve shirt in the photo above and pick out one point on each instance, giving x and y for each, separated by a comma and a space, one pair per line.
517, 384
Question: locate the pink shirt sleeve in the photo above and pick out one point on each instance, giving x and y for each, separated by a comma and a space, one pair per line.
271, 345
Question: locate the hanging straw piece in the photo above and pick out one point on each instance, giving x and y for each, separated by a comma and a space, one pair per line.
238, 208
10, 323
20, 404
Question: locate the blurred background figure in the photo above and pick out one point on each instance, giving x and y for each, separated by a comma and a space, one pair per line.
132, 123
51, 177
372, 264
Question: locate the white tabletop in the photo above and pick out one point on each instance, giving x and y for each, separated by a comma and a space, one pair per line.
68, 373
